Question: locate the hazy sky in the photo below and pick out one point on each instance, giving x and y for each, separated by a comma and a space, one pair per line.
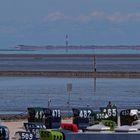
87, 22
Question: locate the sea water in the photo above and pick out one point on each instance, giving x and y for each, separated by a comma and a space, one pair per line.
18, 93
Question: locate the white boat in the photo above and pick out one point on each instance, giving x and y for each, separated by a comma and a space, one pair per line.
98, 127
136, 124
126, 128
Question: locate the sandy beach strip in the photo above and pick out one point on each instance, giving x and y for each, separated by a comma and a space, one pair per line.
113, 74
17, 125
77, 55
14, 126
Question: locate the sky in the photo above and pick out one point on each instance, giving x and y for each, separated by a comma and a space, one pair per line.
87, 22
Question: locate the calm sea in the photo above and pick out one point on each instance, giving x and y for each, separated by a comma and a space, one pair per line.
68, 63
18, 93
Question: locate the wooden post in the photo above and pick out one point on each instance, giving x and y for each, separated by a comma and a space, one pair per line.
94, 63
69, 89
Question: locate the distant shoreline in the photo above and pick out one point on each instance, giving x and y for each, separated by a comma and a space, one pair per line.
79, 74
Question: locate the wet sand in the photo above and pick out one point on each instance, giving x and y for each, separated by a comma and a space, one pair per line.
69, 55
72, 74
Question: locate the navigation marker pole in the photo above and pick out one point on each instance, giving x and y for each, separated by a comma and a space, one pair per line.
67, 43
94, 63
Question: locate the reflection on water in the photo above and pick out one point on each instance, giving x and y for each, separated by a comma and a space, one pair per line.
18, 93
94, 85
